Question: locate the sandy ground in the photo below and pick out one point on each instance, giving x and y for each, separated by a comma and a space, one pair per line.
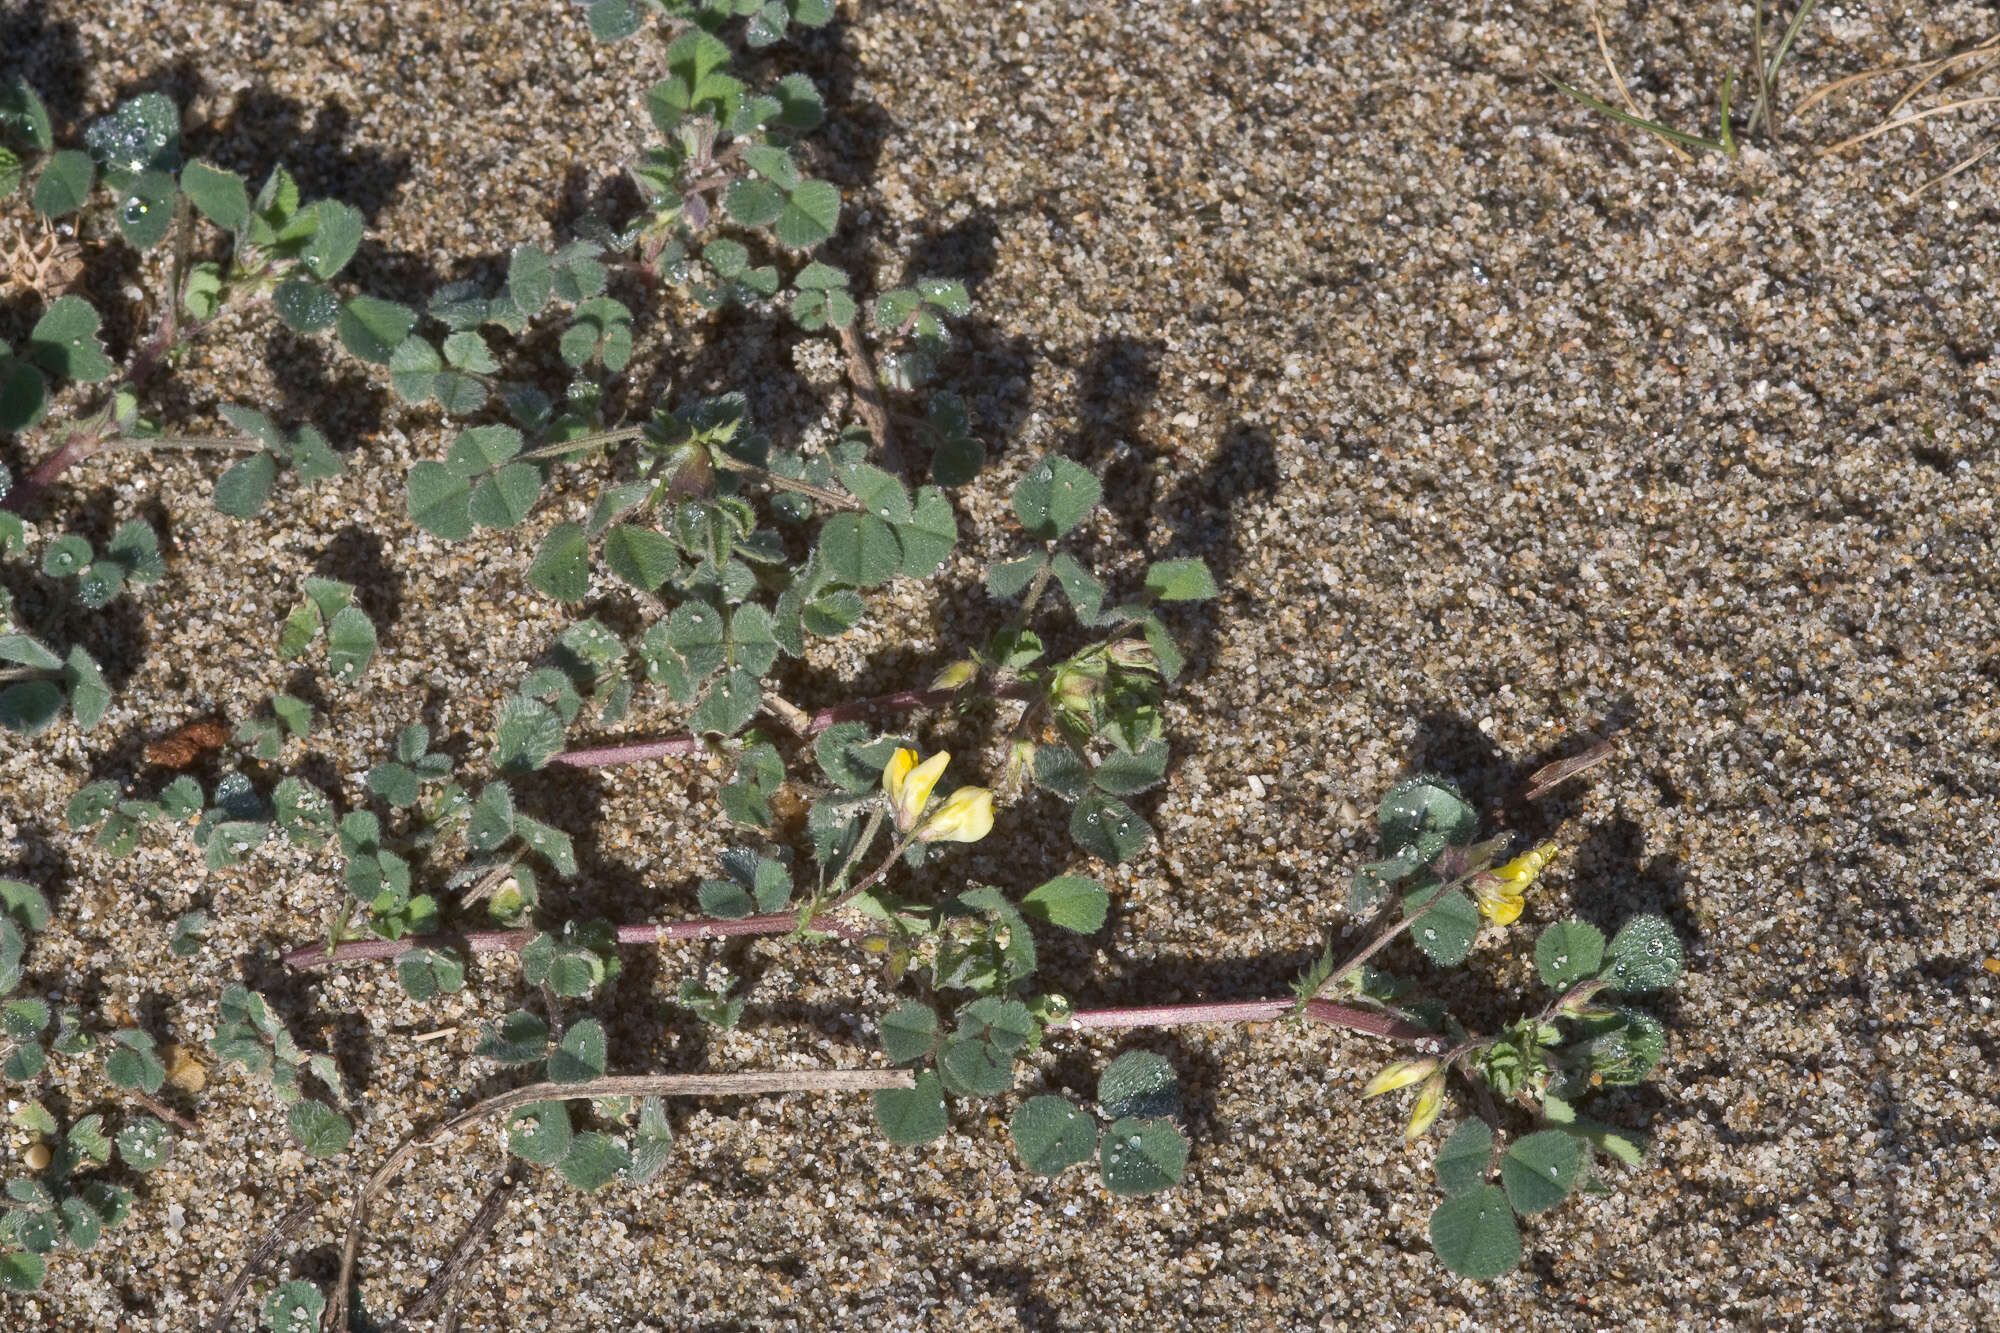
1501, 428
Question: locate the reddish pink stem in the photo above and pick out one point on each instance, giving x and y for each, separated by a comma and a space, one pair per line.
78, 448
81, 446
903, 701
778, 923
511, 941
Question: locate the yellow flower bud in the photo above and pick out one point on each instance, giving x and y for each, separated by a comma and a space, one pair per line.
954, 676
1430, 1101
1399, 1075
909, 784
965, 816
1020, 763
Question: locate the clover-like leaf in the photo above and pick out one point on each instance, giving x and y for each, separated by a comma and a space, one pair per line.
320, 1130
540, 1132
1475, 1234
373, 329
553, 844
142, 1143
1180, 581
561, 567
425, 974
505, 497
22, 1271
909, 1032
24, 397
521, 1038
221, 195
1567, 952
612, 20
594, 1160
334, 241
641, 556
729, 704
860, 549
64, 341
22, 113
1444, 932
294, 1307
1107, 828
1128, 774
972, 1067
1645, 955
440, 501
306, 307
1462, 1158
1054, 496
1141, 1156
1052, 1134
1138, 1084
1539, 1171
65, 183
244, 488
133, 1062
930, 534
1423, 815
350, 643
1074, 902
909, 1116
141, 134
146, 213
527, 735
581, 1053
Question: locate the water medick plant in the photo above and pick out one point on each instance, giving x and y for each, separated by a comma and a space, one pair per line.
712, 558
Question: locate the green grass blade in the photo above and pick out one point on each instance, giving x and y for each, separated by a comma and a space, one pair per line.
1763, 105
1686, 140
1791, 32
1728, 139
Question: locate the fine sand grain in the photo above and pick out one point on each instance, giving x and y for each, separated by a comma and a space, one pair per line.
1501, 429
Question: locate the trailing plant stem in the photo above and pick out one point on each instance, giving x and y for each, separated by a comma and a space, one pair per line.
868, 403
1366, 1021
904, 701
582, 442
139, 444
630, 1085
513, 941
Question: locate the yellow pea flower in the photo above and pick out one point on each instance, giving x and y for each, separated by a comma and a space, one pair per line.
965, 816
1399, 1075
909, 784
1501, 892
1430, 1101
